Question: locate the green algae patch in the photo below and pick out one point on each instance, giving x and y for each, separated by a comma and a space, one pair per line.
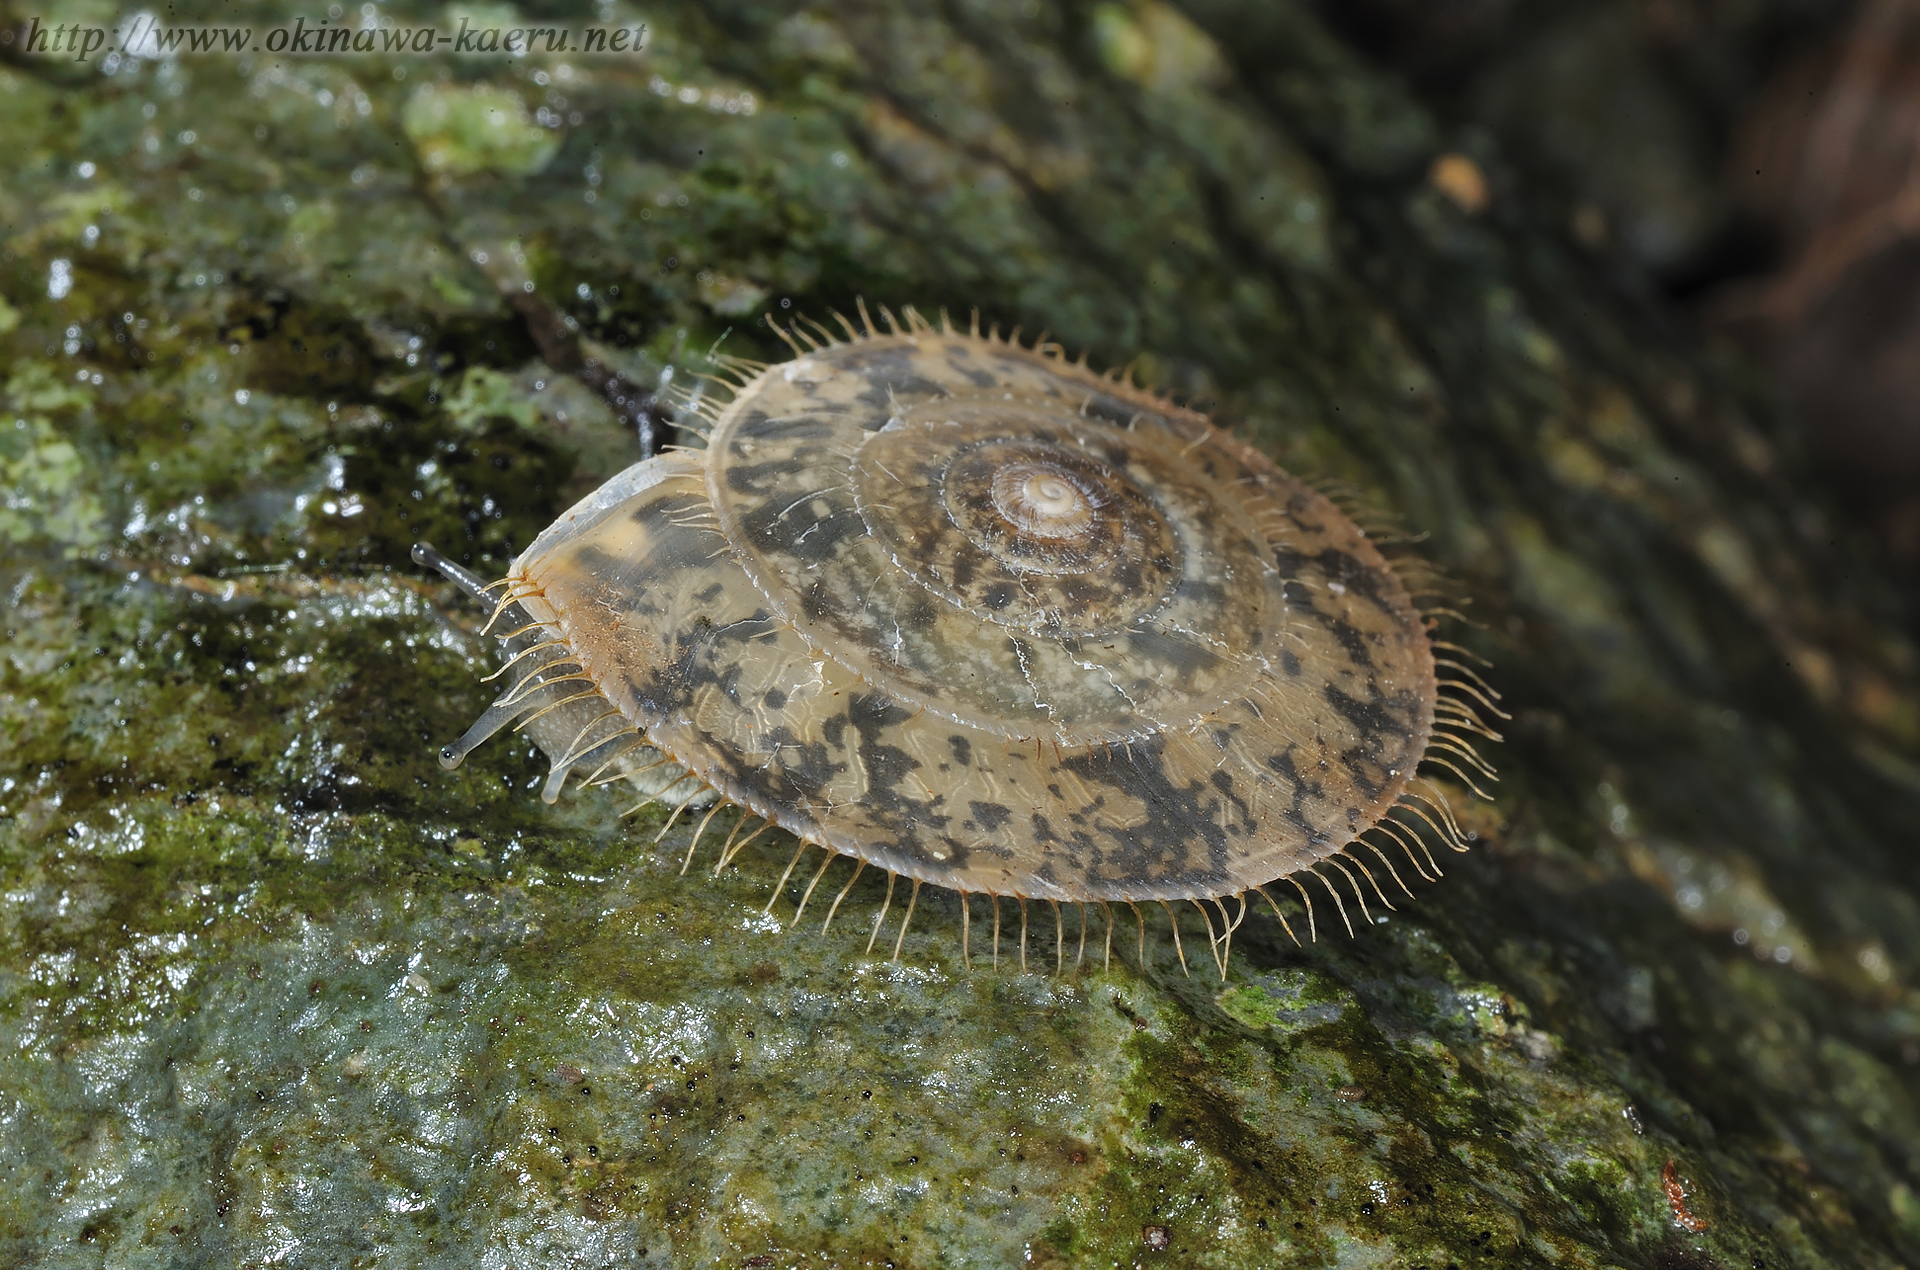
460, 131
47, 498
1252, 1006
1280, 1002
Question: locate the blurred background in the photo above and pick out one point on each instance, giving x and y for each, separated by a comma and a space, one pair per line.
1751, 163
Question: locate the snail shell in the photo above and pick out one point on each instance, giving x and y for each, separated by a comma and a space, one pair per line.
973, 614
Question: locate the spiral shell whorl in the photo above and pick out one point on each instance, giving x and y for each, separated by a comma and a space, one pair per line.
955, 608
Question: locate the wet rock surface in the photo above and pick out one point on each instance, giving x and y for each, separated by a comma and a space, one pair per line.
275, 989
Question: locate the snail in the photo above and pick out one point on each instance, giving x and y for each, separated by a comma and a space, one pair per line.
961, 610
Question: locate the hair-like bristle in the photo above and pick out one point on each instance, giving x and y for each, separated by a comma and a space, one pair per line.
882, 915
726, 857
912, 899
1461, 714
1059, 938
741, 365
1463, 749
1360, 897
1178, 951
683, 805
1338, 903
1449, 765
1418, 808
786, 337
695, 844
859, 867
1408, 836
781, 885
806, 895
1220, 945
1367, 873
996, 928
1313, 933
1393, 872
827, 337
1261, 891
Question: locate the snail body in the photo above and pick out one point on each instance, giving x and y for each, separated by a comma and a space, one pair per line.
964, 611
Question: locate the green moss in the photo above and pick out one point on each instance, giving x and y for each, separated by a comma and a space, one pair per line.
470, 129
